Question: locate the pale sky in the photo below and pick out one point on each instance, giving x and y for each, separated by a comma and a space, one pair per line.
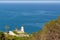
29, 0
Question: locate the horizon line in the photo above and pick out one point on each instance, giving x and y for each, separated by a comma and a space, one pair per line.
29, 1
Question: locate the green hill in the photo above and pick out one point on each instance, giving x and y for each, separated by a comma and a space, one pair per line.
50, 31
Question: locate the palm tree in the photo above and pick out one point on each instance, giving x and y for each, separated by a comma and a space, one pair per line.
6, 28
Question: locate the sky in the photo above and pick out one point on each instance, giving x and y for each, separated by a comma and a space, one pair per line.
29, 0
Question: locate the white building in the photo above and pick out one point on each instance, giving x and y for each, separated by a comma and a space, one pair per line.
20, 32
12, 33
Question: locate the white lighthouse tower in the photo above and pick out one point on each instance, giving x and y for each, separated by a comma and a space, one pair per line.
22, 29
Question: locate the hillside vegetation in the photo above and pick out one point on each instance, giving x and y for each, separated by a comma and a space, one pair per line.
51, 30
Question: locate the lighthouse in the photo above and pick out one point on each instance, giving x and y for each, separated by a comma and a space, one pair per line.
22, 29
19, 33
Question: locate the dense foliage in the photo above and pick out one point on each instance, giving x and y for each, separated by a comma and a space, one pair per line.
50, 31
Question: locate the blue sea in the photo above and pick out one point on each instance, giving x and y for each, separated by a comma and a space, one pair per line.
32, 16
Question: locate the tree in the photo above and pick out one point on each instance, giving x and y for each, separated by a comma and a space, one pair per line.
2, 36
6, 27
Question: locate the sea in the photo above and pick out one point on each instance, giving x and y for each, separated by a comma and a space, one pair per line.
32, 16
